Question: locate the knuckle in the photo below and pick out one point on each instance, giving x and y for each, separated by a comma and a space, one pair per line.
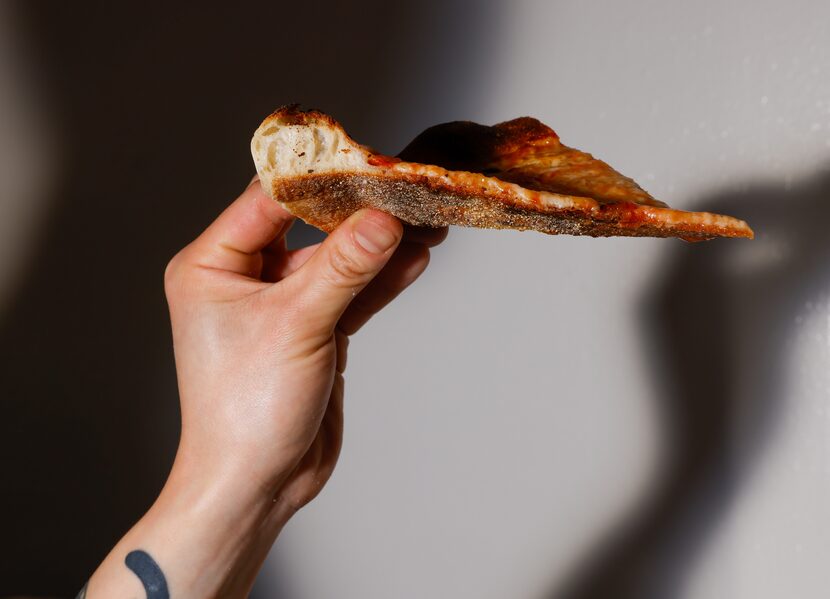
355, 319
345, 268
171, 275
423, 253
174, 275
360, 310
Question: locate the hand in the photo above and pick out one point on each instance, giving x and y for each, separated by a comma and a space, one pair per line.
260, 336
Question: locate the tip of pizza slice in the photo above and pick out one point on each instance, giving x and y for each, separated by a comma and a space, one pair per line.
513, 175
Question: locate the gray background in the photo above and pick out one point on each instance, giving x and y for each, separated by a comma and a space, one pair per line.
537, 417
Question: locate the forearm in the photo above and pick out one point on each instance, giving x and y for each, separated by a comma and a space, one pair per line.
201, 538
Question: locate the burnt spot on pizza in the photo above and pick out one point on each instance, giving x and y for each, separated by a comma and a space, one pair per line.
469, 146
526, 152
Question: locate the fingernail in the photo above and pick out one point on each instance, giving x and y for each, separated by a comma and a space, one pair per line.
372, 237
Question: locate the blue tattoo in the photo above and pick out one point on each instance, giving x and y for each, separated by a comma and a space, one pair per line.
148, 573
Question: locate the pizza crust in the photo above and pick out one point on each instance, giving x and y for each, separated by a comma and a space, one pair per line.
515, 175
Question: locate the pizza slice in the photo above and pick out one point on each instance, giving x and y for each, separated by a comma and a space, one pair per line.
514, 175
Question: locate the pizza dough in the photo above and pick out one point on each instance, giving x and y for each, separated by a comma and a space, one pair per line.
514, 175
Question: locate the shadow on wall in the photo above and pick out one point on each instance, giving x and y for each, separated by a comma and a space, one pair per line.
154, 106
717, 323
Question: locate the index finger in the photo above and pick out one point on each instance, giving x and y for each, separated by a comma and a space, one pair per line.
233, 241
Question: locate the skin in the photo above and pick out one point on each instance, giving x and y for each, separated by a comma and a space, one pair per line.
260, 337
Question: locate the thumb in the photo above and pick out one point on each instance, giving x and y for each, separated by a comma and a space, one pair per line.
343, 265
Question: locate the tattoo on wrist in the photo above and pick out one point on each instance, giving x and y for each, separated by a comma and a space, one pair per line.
148, 573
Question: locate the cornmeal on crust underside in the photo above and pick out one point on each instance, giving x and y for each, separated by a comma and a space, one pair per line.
514, 175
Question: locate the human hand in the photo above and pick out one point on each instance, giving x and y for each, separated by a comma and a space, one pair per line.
260, 336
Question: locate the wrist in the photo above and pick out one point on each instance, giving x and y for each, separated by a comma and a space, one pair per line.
223, 493
226, 520
209, 532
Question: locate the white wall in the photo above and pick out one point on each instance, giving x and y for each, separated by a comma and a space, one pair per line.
504, 415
